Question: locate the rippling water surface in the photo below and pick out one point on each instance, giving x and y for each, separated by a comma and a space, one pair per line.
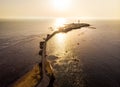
80, 58
87, 57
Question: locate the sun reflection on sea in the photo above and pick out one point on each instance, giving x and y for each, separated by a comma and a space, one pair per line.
57, 45
59, 22
60, 38
60, 42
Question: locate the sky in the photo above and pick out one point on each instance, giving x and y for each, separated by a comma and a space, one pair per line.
106, 9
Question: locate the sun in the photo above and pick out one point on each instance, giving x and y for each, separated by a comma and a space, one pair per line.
61, 5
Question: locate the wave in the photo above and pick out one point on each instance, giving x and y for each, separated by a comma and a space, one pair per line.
6, 42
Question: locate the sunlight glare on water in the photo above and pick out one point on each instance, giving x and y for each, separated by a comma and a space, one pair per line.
59, 22
60, 40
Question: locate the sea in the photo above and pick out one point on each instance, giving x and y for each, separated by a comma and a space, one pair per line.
86, 57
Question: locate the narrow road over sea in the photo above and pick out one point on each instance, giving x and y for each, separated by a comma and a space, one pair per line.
81, 58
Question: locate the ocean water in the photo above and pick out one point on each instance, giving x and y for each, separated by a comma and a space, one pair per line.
16, 30
87, 57
80, 58
19, 47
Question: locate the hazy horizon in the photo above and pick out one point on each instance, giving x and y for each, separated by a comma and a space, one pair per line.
52, 18
29, 9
